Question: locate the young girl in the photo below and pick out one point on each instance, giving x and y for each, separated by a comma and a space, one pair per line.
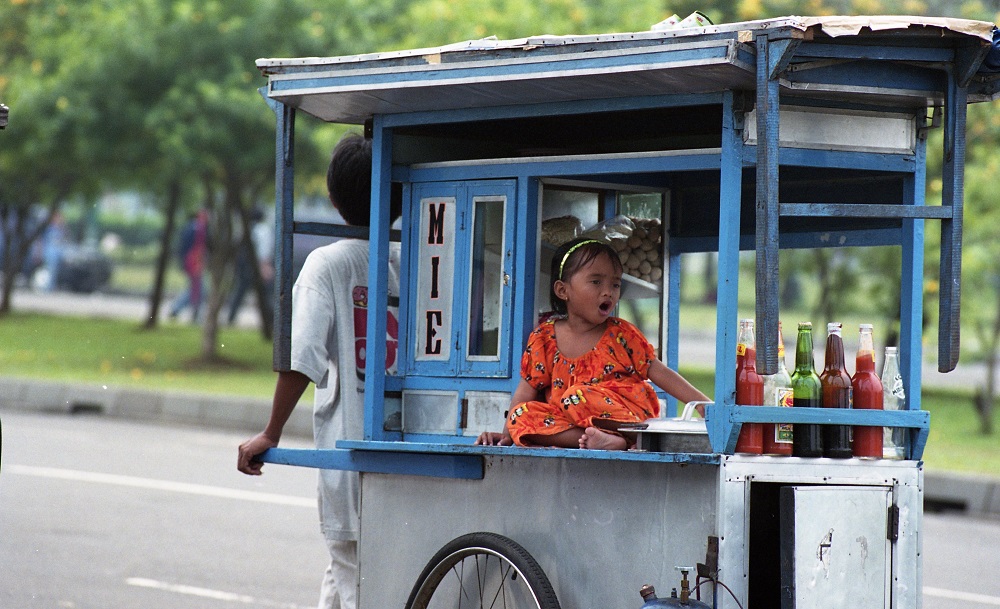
584, 372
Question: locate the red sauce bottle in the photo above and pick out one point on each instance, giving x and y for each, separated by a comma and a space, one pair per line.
749, 388
867, 395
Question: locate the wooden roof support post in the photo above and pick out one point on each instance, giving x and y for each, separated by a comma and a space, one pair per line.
772, 58
378, 283
284, 182
953, 195
723, 433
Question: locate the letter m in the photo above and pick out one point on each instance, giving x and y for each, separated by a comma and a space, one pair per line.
435, 223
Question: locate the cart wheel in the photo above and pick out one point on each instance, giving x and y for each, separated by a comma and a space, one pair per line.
482, 570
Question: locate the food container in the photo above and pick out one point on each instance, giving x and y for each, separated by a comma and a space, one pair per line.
682, 434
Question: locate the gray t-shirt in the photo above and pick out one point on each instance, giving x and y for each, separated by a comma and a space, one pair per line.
329, 322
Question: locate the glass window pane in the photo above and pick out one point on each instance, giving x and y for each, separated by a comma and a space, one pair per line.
643, 261
564, 209
486, 279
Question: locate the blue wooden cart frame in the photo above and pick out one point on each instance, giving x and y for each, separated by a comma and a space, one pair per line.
922, 66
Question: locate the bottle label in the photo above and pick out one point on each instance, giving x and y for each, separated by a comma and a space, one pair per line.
897, 387
783, 433
741, 350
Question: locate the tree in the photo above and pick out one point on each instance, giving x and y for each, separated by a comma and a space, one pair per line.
211, 118
50, 152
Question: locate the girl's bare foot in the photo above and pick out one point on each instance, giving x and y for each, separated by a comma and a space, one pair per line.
597, 439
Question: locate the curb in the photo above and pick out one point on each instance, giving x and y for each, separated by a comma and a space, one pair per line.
246, 414
953, 491
943, 491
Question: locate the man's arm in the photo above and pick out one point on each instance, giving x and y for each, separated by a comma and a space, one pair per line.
287, 391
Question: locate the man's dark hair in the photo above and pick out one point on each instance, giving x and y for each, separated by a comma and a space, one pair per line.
349, 181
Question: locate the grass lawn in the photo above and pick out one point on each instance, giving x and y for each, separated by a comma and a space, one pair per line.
955, 443
110, 352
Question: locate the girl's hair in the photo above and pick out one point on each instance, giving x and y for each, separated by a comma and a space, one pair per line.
570, 257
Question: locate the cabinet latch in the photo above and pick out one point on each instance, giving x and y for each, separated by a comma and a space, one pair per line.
892, 524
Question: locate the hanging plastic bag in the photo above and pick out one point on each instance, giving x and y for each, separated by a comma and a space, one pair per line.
611, 230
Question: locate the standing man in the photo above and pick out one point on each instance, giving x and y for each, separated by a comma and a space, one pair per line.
262, 238
192, 252
329, 321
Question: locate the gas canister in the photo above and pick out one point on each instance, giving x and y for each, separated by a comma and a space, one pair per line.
652, 602
683, 601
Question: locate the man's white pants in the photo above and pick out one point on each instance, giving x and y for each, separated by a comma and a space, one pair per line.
340, 583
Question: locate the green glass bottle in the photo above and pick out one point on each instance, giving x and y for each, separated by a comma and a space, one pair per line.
807, 440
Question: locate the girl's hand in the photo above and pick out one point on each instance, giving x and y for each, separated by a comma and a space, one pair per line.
494, 438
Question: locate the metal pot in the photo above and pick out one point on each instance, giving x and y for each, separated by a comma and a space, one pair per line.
683, 434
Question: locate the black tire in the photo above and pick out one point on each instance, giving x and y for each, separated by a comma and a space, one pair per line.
479, 571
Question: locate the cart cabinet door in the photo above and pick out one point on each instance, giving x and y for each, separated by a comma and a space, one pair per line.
835, 550
463, 256
435, 293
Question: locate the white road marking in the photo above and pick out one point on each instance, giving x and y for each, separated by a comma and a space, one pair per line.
970, 597
159, 485
218, 595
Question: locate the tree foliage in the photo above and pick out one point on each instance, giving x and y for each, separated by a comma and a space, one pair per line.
161, 96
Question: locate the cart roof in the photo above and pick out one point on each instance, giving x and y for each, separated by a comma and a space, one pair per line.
539, 69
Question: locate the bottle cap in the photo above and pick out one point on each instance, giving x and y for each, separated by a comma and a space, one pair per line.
805, 324
890, 350
834, 326
866, 326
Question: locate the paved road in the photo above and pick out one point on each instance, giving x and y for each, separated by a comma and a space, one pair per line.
101, 512
697, 344
961, 562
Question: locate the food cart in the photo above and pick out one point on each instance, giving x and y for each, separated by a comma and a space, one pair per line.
782, 133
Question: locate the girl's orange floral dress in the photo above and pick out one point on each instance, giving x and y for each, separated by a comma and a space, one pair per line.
606, 385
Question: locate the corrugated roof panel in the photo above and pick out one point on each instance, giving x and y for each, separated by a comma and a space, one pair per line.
489, 72
354, 97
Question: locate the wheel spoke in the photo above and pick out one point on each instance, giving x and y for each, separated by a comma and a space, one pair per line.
502, 588
501, 575
481, 577
459, 570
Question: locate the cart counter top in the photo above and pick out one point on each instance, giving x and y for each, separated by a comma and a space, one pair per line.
463, 461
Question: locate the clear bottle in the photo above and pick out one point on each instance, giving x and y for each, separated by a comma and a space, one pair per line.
778, 392
749, 387
806, 392
867, 396
893, 398
837, 393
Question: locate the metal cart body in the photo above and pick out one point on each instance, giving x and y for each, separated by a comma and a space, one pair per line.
790, 133
602, 529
